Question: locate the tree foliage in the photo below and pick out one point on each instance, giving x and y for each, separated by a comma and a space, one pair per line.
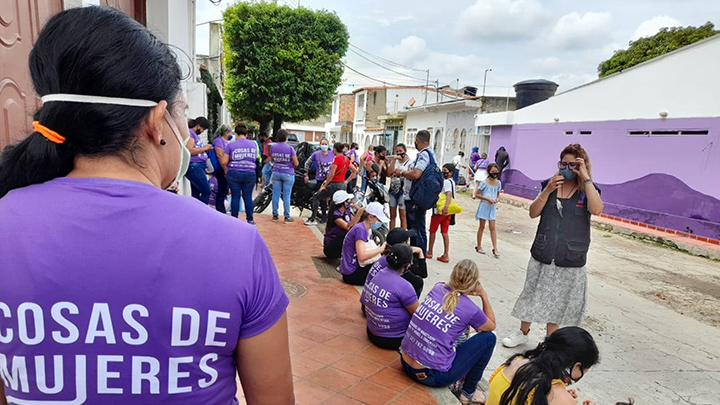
214, 99
281, 63
644, 49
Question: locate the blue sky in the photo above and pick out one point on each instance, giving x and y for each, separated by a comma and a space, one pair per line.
559, 40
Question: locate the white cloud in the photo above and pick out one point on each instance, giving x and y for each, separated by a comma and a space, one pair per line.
385, 20
545, 65
408, 51
651, 27
567, 81
575, 31
502, 20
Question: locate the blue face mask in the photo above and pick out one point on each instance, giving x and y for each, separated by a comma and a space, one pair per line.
324, 148
568, 174
376, 225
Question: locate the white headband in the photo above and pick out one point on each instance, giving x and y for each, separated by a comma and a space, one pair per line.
78, 98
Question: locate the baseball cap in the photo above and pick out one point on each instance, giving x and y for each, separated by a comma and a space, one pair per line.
341, 196
398, 235
376, 209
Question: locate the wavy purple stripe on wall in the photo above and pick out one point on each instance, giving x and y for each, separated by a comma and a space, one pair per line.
657, 199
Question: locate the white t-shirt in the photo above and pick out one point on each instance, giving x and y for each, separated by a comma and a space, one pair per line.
458, 161
448, 185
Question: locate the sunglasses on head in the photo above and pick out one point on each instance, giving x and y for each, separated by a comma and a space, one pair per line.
564, 165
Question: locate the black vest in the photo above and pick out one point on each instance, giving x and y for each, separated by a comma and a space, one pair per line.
565, 238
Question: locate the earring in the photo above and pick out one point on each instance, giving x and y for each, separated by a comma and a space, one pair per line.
162, 142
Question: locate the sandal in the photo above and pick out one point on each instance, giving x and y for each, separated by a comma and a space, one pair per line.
442, 259
496, 254
429, 256
482, 252
473, 401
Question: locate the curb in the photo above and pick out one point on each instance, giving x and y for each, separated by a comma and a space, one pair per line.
617, 228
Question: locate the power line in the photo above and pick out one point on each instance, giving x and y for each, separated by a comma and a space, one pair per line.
387, 60
371, 78
384, 67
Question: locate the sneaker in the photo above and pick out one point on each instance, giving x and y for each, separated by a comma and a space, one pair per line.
276, 218
289, 220
323, 220
516, 339
310, 222
251, 222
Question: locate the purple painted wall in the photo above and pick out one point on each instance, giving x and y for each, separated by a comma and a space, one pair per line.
667, 181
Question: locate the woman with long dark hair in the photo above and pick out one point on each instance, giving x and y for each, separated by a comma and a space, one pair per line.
541, 376
555, 291
107, 260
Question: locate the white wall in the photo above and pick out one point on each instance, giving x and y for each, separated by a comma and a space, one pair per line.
684, 83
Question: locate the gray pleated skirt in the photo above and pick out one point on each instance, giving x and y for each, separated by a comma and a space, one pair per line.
552, 294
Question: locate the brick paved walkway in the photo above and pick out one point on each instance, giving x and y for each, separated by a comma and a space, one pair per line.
332, 359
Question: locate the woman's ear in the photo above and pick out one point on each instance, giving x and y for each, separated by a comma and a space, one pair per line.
153, 124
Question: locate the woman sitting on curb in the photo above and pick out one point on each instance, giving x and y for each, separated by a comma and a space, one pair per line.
355, 251
428, 352
341, 221
390, 300
540, 376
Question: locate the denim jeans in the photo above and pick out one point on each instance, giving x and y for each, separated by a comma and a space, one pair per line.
267, 172
241, 184
456, 175
416, 222
471, 358
363, 183
222, 190
282, 183
199, 185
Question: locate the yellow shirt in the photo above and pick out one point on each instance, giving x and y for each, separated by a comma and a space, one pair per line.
499, 383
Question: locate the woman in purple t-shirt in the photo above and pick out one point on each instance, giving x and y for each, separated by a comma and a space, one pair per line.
222, 136
284, 162
241, 159
340, 222
199, 185
389, 300
355, 249
428, 350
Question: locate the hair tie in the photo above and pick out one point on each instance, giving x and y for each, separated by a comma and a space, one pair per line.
48, 133
459, 293
542, 347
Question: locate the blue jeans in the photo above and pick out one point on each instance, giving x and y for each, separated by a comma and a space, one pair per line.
471, 358
241, 184
282, 183
199, 185
416, 222
456, 175
267, 172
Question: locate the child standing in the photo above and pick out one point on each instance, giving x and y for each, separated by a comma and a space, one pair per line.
488, 193
441, 219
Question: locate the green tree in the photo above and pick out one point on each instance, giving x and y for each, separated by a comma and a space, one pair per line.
214, 99
667, 40
282, 64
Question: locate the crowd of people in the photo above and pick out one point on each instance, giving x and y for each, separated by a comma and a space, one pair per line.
104, 157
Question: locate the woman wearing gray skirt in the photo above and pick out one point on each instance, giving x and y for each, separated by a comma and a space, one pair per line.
555, 291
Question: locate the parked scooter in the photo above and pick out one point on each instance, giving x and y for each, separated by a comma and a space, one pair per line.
301, 197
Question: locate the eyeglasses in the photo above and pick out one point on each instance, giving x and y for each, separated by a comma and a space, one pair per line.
564, 165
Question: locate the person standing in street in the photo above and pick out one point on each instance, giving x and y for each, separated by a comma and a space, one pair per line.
199, 185
397, 186
441, 219
336, 178
555, 291
367, 156
220, 142
352, 153
502, 159
267, 166
460, 166
284, 161
480, 174
488, 193
323, 159
241, 160
474, 157
128, 270
416, 217
378, 159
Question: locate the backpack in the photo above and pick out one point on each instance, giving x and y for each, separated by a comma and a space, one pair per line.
424, 191
212, 164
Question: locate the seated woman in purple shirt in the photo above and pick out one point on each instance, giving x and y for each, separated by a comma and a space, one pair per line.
428, 350
389, 300
109, 296
355, 251
341, 221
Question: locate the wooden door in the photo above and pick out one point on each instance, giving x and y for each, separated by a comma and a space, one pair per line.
133, 8
20, 24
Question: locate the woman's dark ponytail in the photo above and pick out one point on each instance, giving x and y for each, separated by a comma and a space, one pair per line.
96, 51
549, 361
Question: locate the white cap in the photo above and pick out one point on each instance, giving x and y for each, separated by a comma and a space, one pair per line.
376, 209
341, 196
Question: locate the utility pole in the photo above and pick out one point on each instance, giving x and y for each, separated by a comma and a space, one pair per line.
427, 84
437, 91
482, 105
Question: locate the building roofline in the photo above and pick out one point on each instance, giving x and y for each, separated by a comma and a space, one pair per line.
450, 93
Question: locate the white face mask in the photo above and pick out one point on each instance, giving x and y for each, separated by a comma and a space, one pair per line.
79, 98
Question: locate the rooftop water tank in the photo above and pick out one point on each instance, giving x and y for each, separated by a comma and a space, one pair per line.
529, 92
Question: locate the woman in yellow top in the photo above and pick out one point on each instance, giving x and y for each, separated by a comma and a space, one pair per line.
541, 376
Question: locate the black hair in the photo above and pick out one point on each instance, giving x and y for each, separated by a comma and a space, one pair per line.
399, 257
551, 360
375, 169
339, 146
461, 153
241, 129
450, 167
96, 51
202, 121
354, 145
281, 135
401, 145
380, 149
491, 165
423, 135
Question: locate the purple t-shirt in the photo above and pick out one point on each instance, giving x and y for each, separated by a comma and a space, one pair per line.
201, 157
333, 232
282, 155
323, 163
243, 155
385, 298
376, 267
432, 333
349, 261
114, 282
220, 142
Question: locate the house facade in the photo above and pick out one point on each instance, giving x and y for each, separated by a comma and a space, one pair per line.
652, 133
